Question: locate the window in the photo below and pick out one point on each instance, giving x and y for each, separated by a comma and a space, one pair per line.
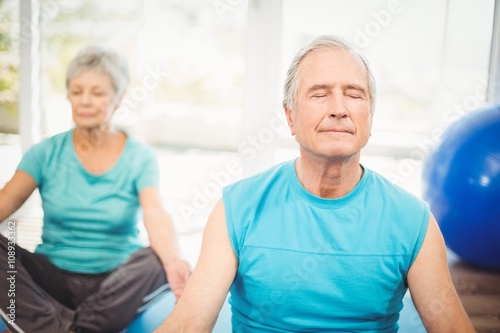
186, 59
9, 66
68, 26
427, 56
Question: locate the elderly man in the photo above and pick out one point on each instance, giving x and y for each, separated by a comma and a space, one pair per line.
321, 243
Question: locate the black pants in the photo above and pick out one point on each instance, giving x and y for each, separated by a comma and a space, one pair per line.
46, 299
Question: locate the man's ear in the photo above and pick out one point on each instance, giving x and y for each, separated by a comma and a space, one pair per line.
290, 115
371, 121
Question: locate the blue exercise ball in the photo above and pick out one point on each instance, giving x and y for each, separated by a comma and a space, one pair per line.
461, 182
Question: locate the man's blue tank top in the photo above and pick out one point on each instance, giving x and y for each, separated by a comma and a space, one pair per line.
309, 264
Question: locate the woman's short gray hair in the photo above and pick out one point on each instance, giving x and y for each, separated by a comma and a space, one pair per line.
101, 60
326, 41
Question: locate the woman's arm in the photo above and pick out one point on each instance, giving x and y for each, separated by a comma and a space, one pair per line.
206, 291
163, 239
15, 193
432, 289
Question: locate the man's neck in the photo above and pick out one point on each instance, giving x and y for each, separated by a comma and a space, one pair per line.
329, 178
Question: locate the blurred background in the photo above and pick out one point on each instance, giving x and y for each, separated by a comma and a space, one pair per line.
207, 81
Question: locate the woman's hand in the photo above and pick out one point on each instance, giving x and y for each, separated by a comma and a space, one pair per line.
178, 273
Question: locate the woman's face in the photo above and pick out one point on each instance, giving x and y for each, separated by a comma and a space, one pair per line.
93, 99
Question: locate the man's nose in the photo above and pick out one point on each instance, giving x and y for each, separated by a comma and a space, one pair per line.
337, 107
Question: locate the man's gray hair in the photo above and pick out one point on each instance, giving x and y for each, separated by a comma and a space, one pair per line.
326, 41
100, 60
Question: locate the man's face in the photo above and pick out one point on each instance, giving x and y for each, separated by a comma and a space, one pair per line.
332, 117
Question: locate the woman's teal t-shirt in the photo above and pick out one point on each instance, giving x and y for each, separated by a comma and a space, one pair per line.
90, 221
309, 264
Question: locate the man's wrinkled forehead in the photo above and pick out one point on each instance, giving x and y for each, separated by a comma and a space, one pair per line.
338, 57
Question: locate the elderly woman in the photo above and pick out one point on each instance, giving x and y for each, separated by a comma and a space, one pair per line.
90, 273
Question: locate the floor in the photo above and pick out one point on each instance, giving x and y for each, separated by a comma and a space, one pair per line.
479, 291
191, 181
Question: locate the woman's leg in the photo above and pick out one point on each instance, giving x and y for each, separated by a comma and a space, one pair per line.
122, 294
32, 291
